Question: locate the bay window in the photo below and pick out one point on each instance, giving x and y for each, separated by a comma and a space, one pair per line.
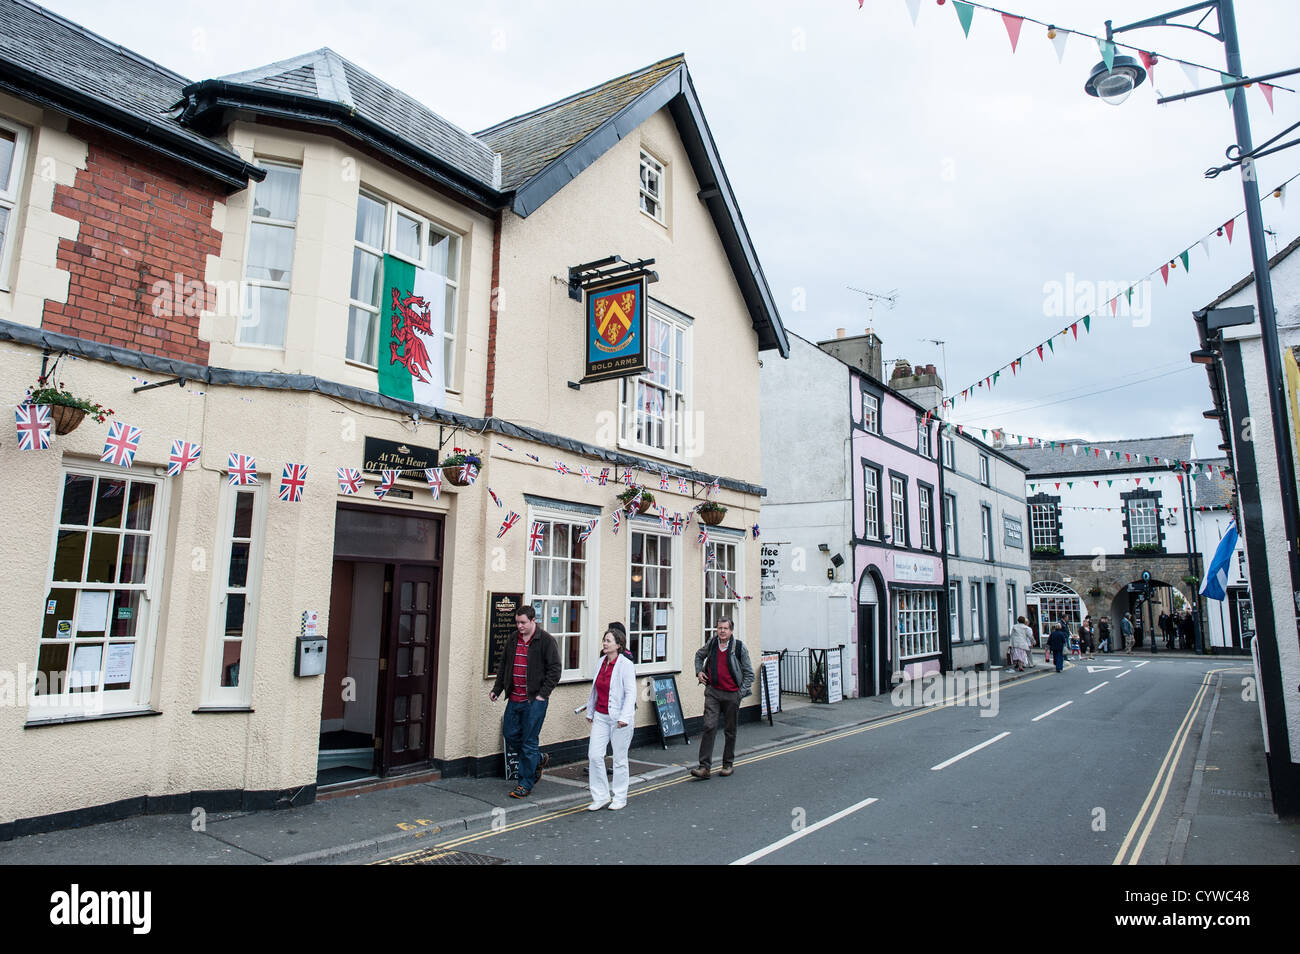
653, 405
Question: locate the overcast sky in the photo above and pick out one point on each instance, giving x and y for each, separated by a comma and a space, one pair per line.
868, 152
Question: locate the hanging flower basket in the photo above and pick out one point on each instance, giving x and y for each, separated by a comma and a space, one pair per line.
66, 419
67, 411
647, 498
713, 513
451, 468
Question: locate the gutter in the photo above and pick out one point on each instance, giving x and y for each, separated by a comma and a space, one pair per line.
203, 98
154, 135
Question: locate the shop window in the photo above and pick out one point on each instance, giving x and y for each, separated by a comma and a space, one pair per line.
916, 613
651, 614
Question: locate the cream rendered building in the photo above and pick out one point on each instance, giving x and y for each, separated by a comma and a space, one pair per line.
149, 652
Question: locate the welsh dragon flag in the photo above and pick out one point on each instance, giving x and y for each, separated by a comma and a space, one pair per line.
412, 321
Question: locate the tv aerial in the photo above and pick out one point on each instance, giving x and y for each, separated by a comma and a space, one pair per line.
890, 297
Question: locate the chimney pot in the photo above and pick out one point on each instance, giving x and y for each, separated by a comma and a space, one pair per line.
839, 332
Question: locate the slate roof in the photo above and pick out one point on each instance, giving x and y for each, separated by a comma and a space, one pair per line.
529, 142
325, 75
1044, 461
36, 43
1214, 492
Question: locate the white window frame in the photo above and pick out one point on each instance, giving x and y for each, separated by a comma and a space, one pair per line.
898, 509
871, 502
588, 652
976, 631
923, 500
923, 438
1146, 508
986, 531
737, 605
950, 523
984, 469
916, 623
949, 448
1011, 604
251, 284
658, 196
1042, 526
427, 228
676, 578
214, 694
871, 416
10, 196
954, 611
137, 697
675, 422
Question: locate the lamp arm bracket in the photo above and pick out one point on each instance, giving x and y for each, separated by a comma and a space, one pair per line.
1163, 20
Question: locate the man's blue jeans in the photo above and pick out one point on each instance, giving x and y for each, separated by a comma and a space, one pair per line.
1058, 656
522, 726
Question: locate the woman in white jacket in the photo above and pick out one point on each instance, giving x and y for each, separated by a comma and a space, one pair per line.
610, 710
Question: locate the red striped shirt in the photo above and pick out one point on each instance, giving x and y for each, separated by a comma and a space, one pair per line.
519, 691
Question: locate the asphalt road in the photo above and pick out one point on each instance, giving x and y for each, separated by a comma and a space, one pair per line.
1085, 767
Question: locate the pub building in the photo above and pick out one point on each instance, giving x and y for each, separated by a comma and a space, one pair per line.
365, 396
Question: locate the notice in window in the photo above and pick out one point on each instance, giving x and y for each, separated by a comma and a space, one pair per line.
661, 645
85, 667
92, 614
117, 669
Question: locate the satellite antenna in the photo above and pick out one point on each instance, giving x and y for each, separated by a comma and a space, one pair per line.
942, 351
872, 297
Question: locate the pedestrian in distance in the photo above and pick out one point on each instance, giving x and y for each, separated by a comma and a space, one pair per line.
1086, 641
529, 669
722, 667
610, 711
1126, 633
1056, 645
1103, 629
1021, 636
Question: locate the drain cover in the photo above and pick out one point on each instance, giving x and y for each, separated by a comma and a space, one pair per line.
1236, 794
443, 856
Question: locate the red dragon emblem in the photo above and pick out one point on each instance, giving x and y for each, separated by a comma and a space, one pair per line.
411, 315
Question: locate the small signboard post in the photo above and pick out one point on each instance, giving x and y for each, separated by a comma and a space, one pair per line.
668, 707
769, 673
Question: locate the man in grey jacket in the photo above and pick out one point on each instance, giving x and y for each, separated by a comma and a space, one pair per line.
722, 667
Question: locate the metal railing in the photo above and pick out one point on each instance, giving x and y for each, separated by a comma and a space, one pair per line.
804, 672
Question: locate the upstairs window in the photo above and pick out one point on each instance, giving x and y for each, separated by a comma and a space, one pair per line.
923, 496
13, 153
1044, 524
653, 404
1143, 522
270, 257
898, 494
949, 451
922, 438
652, 187
871, 501
871, 413
984, 469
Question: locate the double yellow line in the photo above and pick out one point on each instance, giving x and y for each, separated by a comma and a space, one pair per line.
1150, 810
667, 783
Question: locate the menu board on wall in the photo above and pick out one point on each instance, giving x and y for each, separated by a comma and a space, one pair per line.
501, 626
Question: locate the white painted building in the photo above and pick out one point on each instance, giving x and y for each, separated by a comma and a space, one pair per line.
986, 541
1229, 623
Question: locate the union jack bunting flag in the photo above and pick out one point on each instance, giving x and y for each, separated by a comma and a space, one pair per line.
587, 531
709, 556
184, 455
123, 441
536, 536
468, 473
292, 481
242, 469
663, 480
677, 525
33, 422
506, 446
627, 477
533, 456
681, 485
350, 481
604, 476
755, 528
493, 494
704, 539
561, 467
713, 488
434, 476
663, 517
585, 471
386, 480
634, 504
511, 519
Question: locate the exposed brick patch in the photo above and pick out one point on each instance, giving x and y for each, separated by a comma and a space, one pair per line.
143, 221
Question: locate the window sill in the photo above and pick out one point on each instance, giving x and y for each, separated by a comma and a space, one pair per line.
202, 710
662, 224
257, 346
97, 717
360, 365
655, 452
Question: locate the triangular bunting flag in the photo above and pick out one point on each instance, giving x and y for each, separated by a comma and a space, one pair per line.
1087, 323
1205, 246
1110, 483
1040, 352
1129, 294
1075, 329
1227, 227
1051, 346
1164, 273
914, 8
1096, 483
1183, 256
1193, 74
1114, 306
965, 13
1231, 91
1107, 53
1268, 94
1149, 61
1013, 25
1058, 41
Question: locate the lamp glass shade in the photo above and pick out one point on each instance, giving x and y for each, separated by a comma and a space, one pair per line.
1114, 85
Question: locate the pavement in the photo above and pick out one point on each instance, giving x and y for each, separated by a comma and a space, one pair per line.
1223, 811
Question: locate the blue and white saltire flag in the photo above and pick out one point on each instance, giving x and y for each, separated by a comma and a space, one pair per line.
1216, 576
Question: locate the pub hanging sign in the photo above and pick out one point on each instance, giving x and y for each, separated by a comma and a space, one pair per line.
616, 341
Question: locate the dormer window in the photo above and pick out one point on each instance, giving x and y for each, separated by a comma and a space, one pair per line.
652, 187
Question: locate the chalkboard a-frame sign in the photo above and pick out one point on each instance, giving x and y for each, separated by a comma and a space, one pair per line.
668, 707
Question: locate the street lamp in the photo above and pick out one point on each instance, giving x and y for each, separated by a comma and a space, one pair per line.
1112, 84
1275, 705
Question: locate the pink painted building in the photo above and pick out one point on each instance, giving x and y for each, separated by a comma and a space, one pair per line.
900, 628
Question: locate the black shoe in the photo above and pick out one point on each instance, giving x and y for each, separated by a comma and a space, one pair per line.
541, 764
